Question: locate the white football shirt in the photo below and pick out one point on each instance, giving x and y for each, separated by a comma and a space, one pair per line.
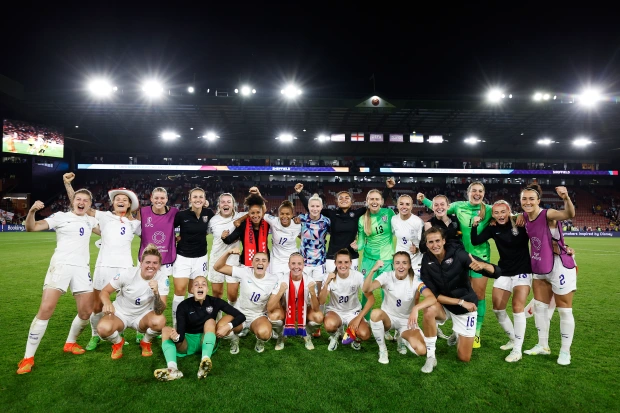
217, 225
283, 239
116, 237
134, 296
344, 293
399, 295
72, 238
407, 232
254, 292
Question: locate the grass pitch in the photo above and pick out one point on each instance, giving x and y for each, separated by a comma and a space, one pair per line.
299, 380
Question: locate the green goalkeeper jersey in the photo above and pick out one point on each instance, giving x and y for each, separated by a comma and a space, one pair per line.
379, 244
465, 213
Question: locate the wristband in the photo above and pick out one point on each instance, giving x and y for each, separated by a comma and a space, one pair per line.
231, 326
461, 302
177, 340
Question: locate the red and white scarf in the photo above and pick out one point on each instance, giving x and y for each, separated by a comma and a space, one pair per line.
295, 309
249, 242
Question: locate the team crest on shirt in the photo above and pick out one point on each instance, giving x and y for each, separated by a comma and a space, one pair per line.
117, 276
351, 214
209, 309
384, 218
353, 288
449, 261
167, 282
536, 242
205, 219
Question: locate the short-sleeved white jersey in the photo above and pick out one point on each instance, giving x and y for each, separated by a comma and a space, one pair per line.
134, 294
399, 295
72, 238
116, 237
254, 292
344, 293
407, 232
217, 225
283, 239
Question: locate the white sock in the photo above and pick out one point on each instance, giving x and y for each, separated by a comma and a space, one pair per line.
430, 346
77, 326
505, 323
232, 303
37, 330
378, 331
231, 336
520, 325
567, 328
114, 338
542, 323
173, 365
311, 327
150, 333
94, 321
178, 299
277, 326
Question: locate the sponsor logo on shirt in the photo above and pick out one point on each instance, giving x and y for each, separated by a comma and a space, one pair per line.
149, 222
536, 242
117, 276
159, 237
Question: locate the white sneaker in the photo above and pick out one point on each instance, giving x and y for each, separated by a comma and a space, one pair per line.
167, 374
441, 334
280, 343
388, 336
564, 358
453, 339
356, 345
308, 343
400, 346
260, 346
333, 342
538, 350
234, 346
383, 357
431, 363
205, 367
508, 346
514, 356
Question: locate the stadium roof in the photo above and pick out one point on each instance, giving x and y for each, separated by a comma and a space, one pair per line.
249, 126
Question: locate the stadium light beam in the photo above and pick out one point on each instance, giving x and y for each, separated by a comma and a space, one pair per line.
286, 137
191, 89
472, 140
101, 88
152, 88
291, 91
169, 135
582, 142
322, 138
495, 95
210, 136
590, 97
545, 141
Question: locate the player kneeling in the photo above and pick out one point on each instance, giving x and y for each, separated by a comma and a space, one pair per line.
400, 306
301, 303
255, 287
343, 287
140, 303
196, 330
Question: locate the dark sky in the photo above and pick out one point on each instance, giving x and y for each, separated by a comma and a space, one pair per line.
445, 51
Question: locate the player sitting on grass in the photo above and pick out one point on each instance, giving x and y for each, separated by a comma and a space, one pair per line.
300, 300
196, 330
140, 303
343, 287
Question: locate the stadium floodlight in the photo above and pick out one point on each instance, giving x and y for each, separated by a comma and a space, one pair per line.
101, 88
435, 139
582, 142
546, 96
210, 136
495, 95
291, 91
538, 96
472, 140
286, 137
322, 138
545, 141
169, 135
191, 89
590, 97
152, 88
246, 90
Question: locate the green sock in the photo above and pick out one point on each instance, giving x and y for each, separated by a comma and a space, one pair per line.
170, 351
207, 344
482, 308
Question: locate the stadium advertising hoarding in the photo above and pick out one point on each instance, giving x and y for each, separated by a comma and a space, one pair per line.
25, 138
126, 167
600, 234
452, 171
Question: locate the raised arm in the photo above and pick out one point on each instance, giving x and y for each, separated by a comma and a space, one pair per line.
485, 235
31, 224
569, 209
233, 236
274, 300
369, 283
221, 266
304, 201
67, 179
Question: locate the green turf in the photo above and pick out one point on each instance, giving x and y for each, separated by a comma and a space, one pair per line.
299, 380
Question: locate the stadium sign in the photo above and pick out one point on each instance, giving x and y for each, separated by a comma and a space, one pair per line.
12, 228
126, 167
457, 171
604, 234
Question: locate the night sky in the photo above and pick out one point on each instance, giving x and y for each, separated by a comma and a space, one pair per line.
448, 52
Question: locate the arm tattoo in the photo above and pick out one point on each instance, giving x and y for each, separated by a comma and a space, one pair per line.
159, 306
